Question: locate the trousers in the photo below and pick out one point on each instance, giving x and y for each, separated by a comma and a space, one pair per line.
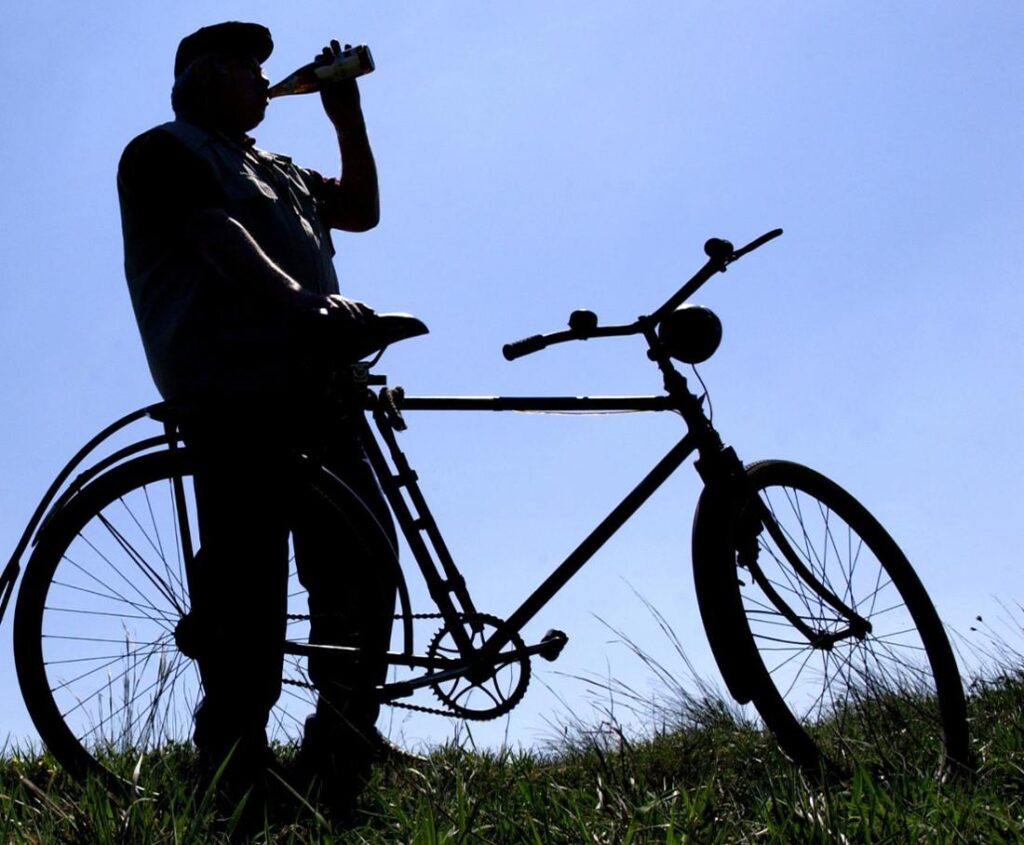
253, 494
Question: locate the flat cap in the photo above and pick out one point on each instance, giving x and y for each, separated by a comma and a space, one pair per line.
232, 38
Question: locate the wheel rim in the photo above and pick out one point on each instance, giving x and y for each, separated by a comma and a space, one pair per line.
870, 696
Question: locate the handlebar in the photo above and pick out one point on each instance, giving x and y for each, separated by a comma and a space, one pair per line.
537, 342
525, 346
583, 324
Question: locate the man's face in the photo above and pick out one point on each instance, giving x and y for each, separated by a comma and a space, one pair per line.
241, 92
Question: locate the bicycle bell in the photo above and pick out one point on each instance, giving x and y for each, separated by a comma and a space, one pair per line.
691, 333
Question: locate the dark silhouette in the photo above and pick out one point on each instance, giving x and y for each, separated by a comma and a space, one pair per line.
228, 257
813, 613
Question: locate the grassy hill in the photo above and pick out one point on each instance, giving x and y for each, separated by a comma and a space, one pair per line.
713, 779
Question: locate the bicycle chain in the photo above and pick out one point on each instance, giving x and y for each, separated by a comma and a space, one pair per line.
422, 708
418, 708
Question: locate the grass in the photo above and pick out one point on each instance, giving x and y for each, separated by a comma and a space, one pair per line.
692, 768
708, 778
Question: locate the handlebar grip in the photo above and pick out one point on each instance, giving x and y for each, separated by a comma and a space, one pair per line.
519, 348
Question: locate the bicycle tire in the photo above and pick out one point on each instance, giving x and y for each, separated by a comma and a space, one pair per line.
887, 697
94, 645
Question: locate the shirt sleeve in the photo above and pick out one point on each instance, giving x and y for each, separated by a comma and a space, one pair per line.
162, 184
326, 191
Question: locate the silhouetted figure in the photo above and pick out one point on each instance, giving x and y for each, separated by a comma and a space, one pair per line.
227, 251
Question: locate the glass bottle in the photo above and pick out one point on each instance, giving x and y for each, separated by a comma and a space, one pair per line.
349, 63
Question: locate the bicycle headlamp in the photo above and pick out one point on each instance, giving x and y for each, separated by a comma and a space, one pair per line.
691, 333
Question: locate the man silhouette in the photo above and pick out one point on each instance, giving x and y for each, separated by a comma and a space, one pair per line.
228, 257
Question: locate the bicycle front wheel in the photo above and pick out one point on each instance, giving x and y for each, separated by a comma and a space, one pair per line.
94, 631
852, 664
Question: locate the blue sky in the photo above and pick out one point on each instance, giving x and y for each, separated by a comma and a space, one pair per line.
538, 157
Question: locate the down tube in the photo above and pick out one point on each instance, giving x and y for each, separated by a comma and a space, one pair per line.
600, 535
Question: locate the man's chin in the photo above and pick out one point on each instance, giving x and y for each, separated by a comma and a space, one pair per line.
256, 120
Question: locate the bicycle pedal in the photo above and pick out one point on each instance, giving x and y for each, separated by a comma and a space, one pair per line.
552, 643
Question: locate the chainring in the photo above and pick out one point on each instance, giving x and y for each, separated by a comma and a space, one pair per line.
496, 694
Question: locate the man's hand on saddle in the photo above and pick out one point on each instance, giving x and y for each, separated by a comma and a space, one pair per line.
338, 308
341, 328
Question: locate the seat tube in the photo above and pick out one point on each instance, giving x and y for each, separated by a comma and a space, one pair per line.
443, 579
181, 508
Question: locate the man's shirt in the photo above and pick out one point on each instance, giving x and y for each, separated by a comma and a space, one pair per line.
205, 336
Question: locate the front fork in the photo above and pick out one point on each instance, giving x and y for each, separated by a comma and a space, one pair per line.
751, 522
753, 517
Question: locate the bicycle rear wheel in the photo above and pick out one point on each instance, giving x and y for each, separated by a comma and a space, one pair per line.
94, 628
852, 664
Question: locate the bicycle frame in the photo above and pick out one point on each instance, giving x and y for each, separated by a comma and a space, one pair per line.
446, 586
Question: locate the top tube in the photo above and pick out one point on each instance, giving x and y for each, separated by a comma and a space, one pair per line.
539, 404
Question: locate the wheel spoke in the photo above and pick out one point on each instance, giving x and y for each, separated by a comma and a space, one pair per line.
113, 595
152, 535
144, 567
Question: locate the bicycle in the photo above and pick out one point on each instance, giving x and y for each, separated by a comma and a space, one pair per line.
813, 613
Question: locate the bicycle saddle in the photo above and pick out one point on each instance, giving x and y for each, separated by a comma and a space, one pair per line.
381, 330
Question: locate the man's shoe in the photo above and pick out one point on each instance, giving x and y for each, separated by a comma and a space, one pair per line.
238, 780
348, 740
333, 764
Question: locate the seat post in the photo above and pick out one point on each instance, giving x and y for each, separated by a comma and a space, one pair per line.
180, 506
